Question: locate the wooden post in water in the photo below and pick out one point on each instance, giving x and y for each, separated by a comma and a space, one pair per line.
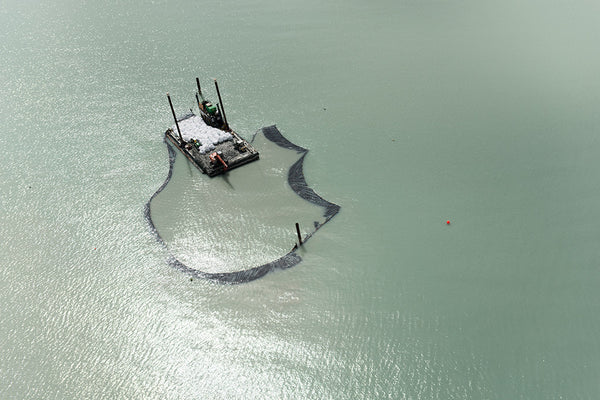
222, 106
175, 118
298, 232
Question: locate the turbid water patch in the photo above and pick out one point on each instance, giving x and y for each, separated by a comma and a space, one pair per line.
239, 226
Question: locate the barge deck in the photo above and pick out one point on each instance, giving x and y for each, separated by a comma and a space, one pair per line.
234, 152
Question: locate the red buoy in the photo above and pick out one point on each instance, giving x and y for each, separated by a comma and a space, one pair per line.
447, 222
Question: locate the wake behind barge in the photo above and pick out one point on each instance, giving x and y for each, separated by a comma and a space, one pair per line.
207, 141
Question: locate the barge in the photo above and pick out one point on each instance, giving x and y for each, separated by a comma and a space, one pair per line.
207, 140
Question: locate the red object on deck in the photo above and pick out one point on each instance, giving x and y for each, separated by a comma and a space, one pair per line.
216, 157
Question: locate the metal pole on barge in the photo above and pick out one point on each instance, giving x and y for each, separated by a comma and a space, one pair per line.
175, 118
222, 106
199, 90
221, 112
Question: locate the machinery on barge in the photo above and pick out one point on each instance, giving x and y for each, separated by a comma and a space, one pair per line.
207, 140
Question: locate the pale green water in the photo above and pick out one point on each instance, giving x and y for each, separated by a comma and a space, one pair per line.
484, 113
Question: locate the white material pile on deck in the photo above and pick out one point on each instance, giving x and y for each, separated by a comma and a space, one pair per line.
194, 127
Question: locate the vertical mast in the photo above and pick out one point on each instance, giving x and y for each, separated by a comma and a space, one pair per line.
175, 118
222, 106
199, 90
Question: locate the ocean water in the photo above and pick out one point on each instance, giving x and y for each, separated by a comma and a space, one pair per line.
415, 113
